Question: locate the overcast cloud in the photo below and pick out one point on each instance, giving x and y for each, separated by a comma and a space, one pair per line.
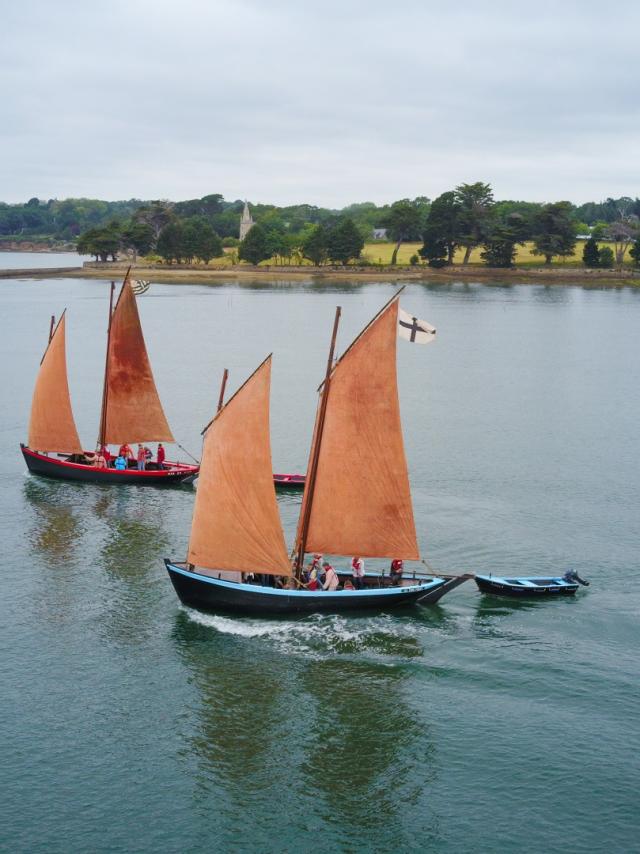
327, 103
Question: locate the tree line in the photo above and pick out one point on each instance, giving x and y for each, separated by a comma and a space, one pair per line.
464, 218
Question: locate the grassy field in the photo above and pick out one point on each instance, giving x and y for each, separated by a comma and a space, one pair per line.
380, 253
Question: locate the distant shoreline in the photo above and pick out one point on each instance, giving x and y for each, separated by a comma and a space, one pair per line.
184, 274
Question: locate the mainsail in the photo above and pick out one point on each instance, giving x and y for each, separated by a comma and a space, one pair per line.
51, 425
360, 500
132, 411
236, 525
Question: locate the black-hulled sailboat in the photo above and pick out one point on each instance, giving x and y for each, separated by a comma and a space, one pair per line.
356, 501
131, 408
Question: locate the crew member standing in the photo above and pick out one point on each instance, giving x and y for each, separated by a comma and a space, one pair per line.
160, 456
142, 458
395, 571
357, 571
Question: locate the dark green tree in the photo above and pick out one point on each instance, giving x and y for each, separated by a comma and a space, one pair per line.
256, 246
170, 244
344, 241
403, 222
554, 231
138, 236
591, 253
102, 243
441, 229
435, 251
634, 252
606, 257
315, 245
474, 215
506, 232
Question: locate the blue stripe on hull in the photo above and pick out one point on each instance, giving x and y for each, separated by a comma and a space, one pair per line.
213, 594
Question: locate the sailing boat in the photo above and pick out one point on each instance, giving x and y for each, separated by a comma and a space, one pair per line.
356, 501
131, 408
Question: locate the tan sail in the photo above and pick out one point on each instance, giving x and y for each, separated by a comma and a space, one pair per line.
51, 425
236, 524
133, 409
361, 503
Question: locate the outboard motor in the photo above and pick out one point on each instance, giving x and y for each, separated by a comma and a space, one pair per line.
572, 576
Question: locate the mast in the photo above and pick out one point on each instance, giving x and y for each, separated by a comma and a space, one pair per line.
105, 388
315, 455
52, 327
225, 376
223, 385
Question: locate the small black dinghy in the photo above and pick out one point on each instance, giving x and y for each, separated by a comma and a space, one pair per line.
531, 585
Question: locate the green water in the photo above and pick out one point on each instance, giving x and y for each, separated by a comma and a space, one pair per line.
133, 724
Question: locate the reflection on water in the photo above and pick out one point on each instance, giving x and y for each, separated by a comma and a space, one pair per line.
134, 545
55, 530
360, 711
283, 709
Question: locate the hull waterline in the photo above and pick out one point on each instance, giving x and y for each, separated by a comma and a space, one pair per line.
207, 593
61, 469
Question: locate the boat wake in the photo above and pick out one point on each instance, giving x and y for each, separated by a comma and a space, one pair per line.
326, 634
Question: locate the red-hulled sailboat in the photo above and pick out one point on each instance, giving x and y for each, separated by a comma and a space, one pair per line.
356, 501
131, 408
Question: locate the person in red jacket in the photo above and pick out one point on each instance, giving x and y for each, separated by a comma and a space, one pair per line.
395, 571
160, 456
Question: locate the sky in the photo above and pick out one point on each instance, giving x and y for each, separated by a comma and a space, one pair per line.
327, 103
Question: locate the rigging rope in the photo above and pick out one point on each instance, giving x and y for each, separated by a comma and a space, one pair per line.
197, 462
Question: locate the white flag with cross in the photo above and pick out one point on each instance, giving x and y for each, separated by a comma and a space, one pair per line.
415, 330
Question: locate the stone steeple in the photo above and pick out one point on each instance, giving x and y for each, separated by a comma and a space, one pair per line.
246, 222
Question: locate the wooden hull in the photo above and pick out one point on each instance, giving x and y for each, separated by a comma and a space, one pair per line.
60, 468
212, 594
289, 482
525, 587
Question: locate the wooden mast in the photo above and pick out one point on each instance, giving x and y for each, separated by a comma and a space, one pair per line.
105, 388
223, 385
315, 456
52, 327
225, 376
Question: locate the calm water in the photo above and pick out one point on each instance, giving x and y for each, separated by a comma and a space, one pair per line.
132, 724
31, 260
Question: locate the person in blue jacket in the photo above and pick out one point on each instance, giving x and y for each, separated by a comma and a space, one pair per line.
120, 463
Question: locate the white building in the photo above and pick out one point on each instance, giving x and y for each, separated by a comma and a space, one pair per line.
246, 222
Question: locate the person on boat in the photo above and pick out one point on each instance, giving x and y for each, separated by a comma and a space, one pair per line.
99, 461
120, 463
148, 454
160, 456
125, 451
395, 571
348, 585
331, 579
142, 458
357, 572
572, 577
313, 583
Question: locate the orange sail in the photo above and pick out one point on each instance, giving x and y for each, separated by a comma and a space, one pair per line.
361, 500
236, 524
132, 411
51, 425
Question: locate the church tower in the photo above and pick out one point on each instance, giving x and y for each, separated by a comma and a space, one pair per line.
246, 222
